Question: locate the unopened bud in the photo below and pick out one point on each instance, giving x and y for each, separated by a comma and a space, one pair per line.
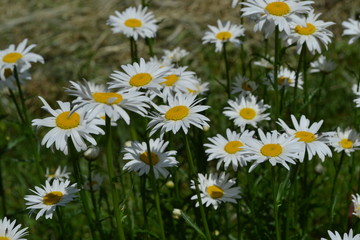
170, 184
176, 213
92, 153
206, 128
128, 144
319, 169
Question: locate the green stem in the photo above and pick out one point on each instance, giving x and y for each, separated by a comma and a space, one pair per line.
305, 76
111, 173
193, 175
61, 223
297, 78
333, 202
276, 204
275, 83
133, 49
227, 71
13, 97
150, 42
2, 192
290, 211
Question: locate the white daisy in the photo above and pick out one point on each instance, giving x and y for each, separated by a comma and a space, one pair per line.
139, 75
180, 112
265, 62
307, 135
221, 34
200, 87
65, 124
10, 231
337, 236
272, 13
215, 189
46, 198
174, 55
134, 22
139, 160
273, 147
356, 202
352, 28
322, 65
312, 34
7, 77
286, 78
242, 85
113, 104
228, 150
245, 110
19, 56
347, 140
60, 174
356, 89
94, 183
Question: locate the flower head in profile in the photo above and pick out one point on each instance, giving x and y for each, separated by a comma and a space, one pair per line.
10, 231
265, 62
246, 110
175, 55
60, 174
307, 135
65, 124
140, 161
228, 150
286, 78
181, 111
322, 65
242, 85
19, 56
200, 88
347, 140
314, 33
140, 75
356, 203
134, 22
275, 13
216, 189
347, 236
98, 101
223, 33
7, 77
94, 182
351, 28
49, 196
273, 147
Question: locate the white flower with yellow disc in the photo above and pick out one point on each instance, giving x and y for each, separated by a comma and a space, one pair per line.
243, 85
322, 65
347, 140
286, 78
351, 28
223, 33
60, 173
140, 161
65, 124
49, 196
134, 22
307, 135
228, 150
347, 236
216, 189
10, 231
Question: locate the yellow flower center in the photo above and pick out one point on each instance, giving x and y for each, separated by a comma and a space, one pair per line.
133, 23
278, 8
346, 143
51, 176
66, 121
145, 158
223, 36
177, 113
281, 80
233, 147
12, 57
192, 91
308, 30
52, 198
107, 97
7, 72
4, 238
271, 150
215, 191
246, 87
140, 79
170, 80
247, 113
305, 136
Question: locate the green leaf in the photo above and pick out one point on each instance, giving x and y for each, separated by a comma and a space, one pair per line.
192, 224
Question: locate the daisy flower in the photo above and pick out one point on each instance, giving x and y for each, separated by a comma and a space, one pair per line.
7, 77
67, 123
60, 174
19, 56
286, 78
221, 34
139, 75
242, 85
97, 101
273, 147
312, 34
228, 150
134, 22
352, 28
347, 140
356, 89
49, 196
200, 87
174, 55
95, 183
307, 135
215, 189
181, 111
275, 13
337, 236
10, 231
139, 160
322, 65
356, 202
265, 62
245, 110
